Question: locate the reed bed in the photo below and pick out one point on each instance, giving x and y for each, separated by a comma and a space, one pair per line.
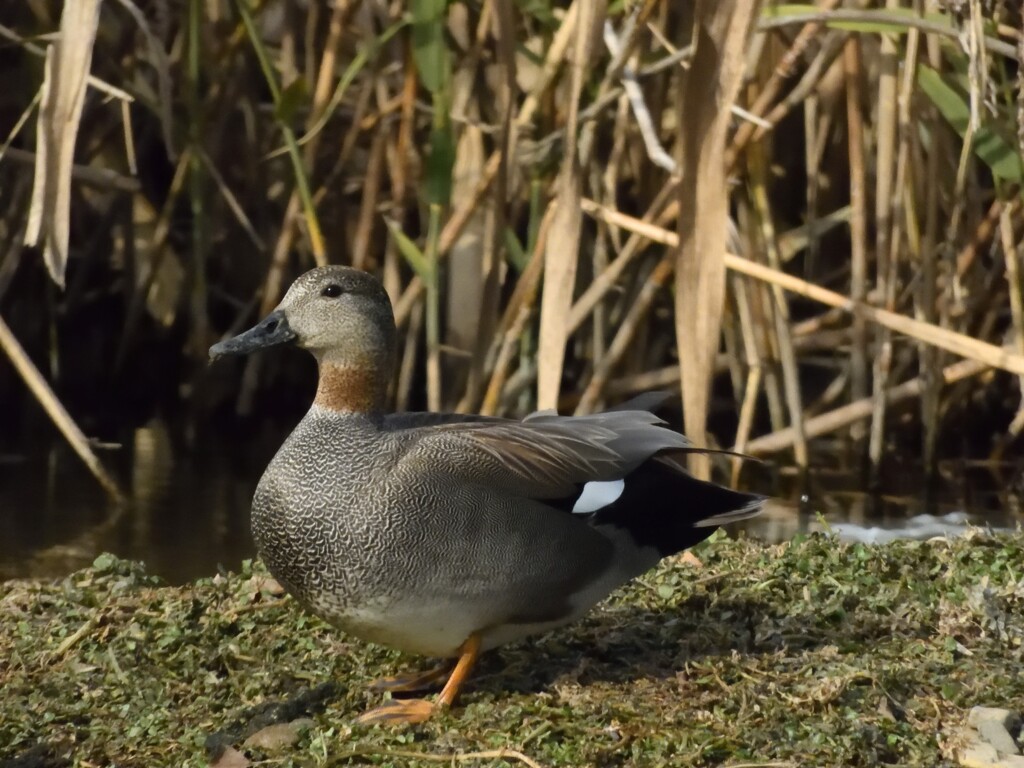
806, 218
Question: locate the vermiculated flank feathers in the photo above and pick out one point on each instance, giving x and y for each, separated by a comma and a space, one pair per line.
448, 534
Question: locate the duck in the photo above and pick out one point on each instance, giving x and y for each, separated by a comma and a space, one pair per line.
444, 534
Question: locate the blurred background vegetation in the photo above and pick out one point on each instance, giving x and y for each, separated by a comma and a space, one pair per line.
873, 296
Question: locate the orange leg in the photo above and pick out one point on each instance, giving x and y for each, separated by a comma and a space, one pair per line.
470, 652
402, 711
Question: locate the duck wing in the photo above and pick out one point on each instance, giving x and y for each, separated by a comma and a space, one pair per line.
545, 456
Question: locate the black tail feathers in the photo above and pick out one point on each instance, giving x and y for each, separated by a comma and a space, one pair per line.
670, 510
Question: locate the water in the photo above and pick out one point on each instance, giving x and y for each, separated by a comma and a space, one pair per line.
188, 513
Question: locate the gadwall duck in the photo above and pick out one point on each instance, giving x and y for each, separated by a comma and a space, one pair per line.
448, 534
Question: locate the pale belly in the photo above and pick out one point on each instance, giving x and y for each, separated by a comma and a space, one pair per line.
434, 630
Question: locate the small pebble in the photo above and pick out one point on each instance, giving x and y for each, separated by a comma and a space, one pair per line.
276, 737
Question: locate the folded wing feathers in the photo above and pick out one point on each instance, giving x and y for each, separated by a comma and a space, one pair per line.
557, 453
546, 455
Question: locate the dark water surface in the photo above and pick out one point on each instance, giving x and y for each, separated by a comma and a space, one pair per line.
188, 514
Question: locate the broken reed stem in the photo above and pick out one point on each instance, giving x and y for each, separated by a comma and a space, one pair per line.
856, 411
951, 341
56, 411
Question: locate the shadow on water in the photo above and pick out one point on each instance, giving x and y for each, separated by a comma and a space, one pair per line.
188, 513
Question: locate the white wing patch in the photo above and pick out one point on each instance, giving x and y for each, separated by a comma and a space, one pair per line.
598, 494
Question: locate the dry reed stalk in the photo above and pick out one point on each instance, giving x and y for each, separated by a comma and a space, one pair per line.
499, 377
858, 218
290, 220
777, 307
101, 178
404, 141
553, 60
883, 18
609, 277
501, 24
472, 267
231, 200
68, 61
762, 327
769, 92
746, 418
812, 161
624, 337
859, 410
926, 296
951, 341
56, 411
722, 33
92, 81
811, 80
433, 308
348, 143
600, 319
884, 168
755, 368
835, 390
732, 343
562, 252
510, 329
407, 368
466, 265
658, 378
368, 215
963, 166
157, 250
983, 234
1011, 256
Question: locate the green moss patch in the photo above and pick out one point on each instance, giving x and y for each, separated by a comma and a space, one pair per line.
808, 653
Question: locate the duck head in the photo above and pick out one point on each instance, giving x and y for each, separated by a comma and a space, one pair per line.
343, 317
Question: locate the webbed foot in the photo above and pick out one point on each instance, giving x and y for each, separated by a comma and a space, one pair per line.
398, 712
411, 711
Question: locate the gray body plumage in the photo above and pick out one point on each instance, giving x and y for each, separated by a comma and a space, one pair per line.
401, 536
420, 531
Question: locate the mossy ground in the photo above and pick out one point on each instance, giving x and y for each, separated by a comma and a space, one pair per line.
808, 653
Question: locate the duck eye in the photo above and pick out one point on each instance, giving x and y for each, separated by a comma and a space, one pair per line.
331, 291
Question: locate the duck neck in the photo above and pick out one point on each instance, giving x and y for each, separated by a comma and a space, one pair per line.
347, 388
